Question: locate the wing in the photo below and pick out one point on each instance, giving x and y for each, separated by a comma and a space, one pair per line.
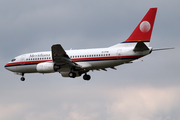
60, 57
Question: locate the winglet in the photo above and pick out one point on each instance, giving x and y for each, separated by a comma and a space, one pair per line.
144, 29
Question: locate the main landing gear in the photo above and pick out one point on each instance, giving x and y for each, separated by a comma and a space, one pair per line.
22, 78
72, 74
85, 76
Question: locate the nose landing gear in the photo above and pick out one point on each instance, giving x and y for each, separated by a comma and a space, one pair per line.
86, 77
22, 78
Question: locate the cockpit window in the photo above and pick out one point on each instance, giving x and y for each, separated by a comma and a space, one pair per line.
13, 60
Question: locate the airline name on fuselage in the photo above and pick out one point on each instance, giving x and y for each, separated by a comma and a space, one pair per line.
39, 55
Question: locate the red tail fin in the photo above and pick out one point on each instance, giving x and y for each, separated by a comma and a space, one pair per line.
144, 29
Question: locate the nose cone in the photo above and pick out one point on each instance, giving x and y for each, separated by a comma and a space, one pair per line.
6, 66
9, 67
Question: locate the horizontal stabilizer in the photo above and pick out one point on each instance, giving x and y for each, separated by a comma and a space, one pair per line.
161, 49
140, 46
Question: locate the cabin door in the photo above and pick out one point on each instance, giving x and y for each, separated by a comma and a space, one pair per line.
119, 53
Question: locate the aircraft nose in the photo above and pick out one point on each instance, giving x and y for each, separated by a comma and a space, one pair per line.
8, 67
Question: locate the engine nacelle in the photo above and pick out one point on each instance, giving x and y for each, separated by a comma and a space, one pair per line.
46, 67
66, 74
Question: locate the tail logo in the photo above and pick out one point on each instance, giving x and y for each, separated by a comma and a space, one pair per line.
145, 26
144, 29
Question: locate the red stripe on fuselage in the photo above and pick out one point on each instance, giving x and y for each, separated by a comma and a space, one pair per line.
25, 62
76, 60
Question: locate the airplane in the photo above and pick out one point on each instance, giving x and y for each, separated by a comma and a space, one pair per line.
74, 63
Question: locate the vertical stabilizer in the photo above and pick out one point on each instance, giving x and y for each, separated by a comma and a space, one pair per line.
144, 29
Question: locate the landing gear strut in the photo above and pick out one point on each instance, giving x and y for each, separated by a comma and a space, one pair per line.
22, 78
86, 77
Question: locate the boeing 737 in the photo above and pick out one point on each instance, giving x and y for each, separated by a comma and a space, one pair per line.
74, 63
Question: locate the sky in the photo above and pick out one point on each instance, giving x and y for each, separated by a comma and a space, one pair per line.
147, 90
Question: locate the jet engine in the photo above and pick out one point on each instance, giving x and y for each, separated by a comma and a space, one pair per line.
46, 67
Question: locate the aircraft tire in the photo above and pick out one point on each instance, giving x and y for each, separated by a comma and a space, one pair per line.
86, 77
72, 74
22, 79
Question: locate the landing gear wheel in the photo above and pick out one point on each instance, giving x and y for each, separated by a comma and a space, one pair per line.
22, 79
72, 74
86, 77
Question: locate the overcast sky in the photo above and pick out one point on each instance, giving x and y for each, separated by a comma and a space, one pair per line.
147, 90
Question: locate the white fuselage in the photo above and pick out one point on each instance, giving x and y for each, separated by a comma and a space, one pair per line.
90, 59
